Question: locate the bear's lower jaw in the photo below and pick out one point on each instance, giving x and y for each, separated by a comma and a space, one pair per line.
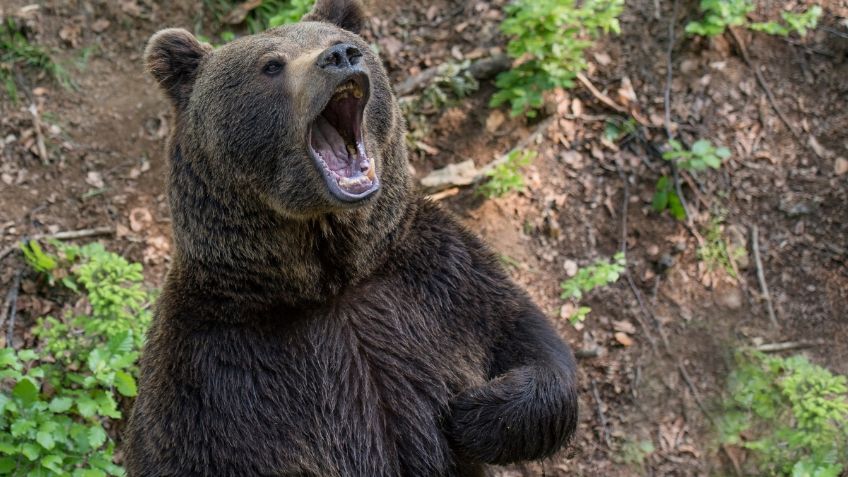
336, 144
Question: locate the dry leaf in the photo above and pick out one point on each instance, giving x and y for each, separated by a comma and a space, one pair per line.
94, 179
140, 219
623, 339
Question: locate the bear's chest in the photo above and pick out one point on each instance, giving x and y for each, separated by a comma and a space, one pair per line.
360, 388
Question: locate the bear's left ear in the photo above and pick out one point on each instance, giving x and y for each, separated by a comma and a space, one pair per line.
173, 56
346, 14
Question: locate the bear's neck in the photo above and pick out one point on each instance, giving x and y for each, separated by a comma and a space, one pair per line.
238, 257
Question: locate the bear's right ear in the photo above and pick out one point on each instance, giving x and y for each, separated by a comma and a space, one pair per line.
172, 56
346, 14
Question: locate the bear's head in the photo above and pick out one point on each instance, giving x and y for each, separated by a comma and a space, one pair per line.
300, 118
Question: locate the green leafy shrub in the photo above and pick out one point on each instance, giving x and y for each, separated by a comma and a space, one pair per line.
702, 156
721, 14
507, 177
601, 273
58, 400
789, 413
548, 39
16, 51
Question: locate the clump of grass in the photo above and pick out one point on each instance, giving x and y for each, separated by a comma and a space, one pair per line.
600, 274
17, 52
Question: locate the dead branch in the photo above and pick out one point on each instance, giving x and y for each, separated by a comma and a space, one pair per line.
10, 307
601, 96
787, 346
482, 69
601, 416
465, 174
39, 134
65, 235
755, 245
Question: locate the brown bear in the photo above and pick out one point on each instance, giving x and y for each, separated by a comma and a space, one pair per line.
322, 318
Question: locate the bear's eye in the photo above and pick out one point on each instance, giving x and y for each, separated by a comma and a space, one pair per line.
272, 68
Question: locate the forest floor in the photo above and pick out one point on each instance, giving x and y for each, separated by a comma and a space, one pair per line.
658, 344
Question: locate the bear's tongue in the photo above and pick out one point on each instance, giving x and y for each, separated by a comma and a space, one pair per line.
335, 138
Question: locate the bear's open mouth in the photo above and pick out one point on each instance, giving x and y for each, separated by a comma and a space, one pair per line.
337, 145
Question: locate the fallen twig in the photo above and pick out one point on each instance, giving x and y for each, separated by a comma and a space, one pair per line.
465, 173
10, 307
787, 346
39, 134
601, 96
482, 69
65, 235
755, 239
762, 82
601, 416
695, 394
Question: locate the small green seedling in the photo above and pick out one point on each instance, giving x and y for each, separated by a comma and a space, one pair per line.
721, 14
702, 156
507, 177
601, 273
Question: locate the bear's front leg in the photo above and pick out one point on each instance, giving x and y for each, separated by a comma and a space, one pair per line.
528, 410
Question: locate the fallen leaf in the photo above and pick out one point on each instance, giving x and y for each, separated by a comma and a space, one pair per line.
95, 179
624, 326
99, 26
626, 94
603, 59
140, 218
840, 167
495, 120
623, 339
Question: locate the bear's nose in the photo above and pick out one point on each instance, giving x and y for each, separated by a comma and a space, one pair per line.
340, 57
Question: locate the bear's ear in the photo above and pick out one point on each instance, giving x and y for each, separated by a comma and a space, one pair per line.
172, 56
346, 14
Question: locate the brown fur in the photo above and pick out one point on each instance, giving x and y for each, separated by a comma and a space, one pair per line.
298, 335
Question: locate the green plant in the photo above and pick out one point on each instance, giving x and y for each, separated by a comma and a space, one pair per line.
548, 39
715, 251
789, 413
269, 14
721, 14
634, 452
506, 177
702, 156
666, 198
16, 51
63, 395
601, 273
799, 23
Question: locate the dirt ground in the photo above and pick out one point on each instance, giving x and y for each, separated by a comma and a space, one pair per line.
678, 321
